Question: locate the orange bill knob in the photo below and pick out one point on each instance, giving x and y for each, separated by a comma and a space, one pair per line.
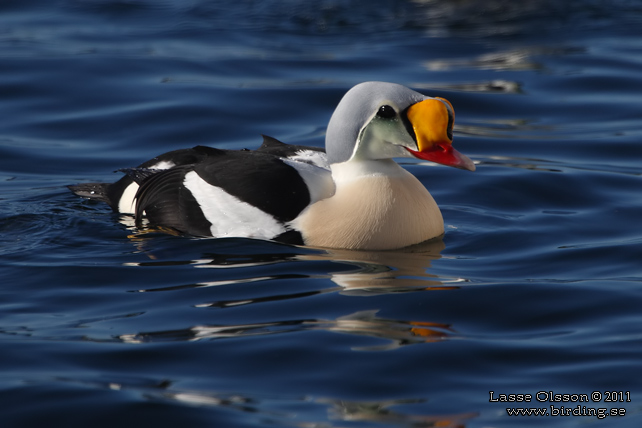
432, 120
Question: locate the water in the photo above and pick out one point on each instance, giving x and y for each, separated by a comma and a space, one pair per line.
536, 286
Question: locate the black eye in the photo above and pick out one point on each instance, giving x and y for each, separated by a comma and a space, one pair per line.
386, 112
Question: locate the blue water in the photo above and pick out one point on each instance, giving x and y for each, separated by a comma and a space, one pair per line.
536, 286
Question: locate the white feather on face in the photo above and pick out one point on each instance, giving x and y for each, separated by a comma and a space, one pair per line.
229, 216
383, 139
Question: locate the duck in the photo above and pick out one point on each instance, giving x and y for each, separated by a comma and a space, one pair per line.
352, 195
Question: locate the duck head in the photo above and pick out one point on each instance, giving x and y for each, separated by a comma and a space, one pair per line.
379, 120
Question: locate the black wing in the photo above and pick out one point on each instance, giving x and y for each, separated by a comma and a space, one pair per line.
277, 148
164, 201
111, 192
259, 179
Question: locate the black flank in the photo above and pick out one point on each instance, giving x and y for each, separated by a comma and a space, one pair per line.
166, 202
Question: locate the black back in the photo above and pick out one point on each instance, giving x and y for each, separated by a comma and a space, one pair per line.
257, 178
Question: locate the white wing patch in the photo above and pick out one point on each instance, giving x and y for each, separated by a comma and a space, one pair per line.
312, 157
318, 180
229, 215
163, 165
127, 200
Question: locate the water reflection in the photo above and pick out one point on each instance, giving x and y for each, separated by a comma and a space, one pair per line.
509, 60
263, 299
493, 86
506, 128
516, 60
380, 412
386, 271
376, 271
396, 333
282, 410
241, 262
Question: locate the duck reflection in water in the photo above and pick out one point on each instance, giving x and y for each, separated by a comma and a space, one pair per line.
386, 271
376, 271
371, 273
378, 411
363, 323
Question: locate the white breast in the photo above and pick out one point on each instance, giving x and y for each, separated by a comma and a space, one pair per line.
372, 209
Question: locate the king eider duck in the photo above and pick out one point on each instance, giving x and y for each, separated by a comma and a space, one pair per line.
352, 196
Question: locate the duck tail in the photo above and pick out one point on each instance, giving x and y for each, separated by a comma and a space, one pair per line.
95, 191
